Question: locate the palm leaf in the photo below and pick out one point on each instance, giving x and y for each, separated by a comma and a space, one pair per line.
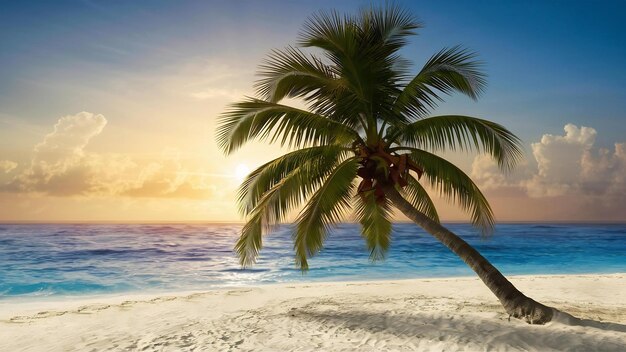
449, 132
291, 126
273, 190
314, 162
449, 70
291, 73
332, 32
325, 208
250, 241
269, 211
393, 23
375, 224
452, 183
342, 42
419, 198
294, 74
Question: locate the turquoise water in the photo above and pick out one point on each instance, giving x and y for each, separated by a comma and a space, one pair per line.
60, 260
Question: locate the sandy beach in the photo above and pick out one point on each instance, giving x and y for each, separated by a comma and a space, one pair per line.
453, 314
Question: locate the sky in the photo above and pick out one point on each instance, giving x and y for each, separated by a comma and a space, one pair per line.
108, 108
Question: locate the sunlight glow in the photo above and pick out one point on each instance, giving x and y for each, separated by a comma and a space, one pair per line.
241, 171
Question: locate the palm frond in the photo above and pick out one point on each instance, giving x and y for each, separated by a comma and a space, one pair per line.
270, 210
325, 208
375, 223
290, 126
415, 194
449, 132
312, 162
250, 241
449, 70
291, 73
452, 183
363, 50
391, 24
277, 188
332, 32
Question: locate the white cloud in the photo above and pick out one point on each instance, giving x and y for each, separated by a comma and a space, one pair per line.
168, 178
69, 137
485, 172
559, 161
603, 172
61, 166
7, 166
567, 165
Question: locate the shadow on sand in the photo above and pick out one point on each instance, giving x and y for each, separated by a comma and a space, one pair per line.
472, 332
568, 319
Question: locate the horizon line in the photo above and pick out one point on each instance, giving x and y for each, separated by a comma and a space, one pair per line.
209, 222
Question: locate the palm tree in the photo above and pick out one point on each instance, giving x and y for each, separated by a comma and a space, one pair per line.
365, 140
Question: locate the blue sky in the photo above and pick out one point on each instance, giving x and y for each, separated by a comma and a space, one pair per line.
161, 71
548, 61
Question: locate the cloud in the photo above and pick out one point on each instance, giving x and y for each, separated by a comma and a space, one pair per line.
7, 166
568, 165
61, 166
485, 172
603, 172
169, 179
571, 165
559, 161
69, 137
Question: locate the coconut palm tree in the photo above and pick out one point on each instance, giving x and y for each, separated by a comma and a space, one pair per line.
366, 141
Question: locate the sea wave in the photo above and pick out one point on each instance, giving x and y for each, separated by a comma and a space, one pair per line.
51, 260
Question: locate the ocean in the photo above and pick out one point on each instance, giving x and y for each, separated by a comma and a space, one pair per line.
38, 261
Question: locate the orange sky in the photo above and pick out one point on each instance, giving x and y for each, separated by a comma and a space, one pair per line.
71, 174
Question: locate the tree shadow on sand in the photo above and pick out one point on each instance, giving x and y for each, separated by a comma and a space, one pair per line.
475, 332
568, 319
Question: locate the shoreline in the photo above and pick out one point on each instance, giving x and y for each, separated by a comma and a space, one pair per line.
455, 313
40, 302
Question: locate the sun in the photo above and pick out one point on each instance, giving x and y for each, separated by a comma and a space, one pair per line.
241, 171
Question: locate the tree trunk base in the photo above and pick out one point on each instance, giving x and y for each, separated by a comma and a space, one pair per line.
514, 302
530, 311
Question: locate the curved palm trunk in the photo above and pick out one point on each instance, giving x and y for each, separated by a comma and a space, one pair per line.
514, 302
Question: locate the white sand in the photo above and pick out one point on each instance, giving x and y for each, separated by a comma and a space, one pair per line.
456, 314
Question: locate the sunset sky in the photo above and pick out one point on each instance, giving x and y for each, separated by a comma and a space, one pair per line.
108, 108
